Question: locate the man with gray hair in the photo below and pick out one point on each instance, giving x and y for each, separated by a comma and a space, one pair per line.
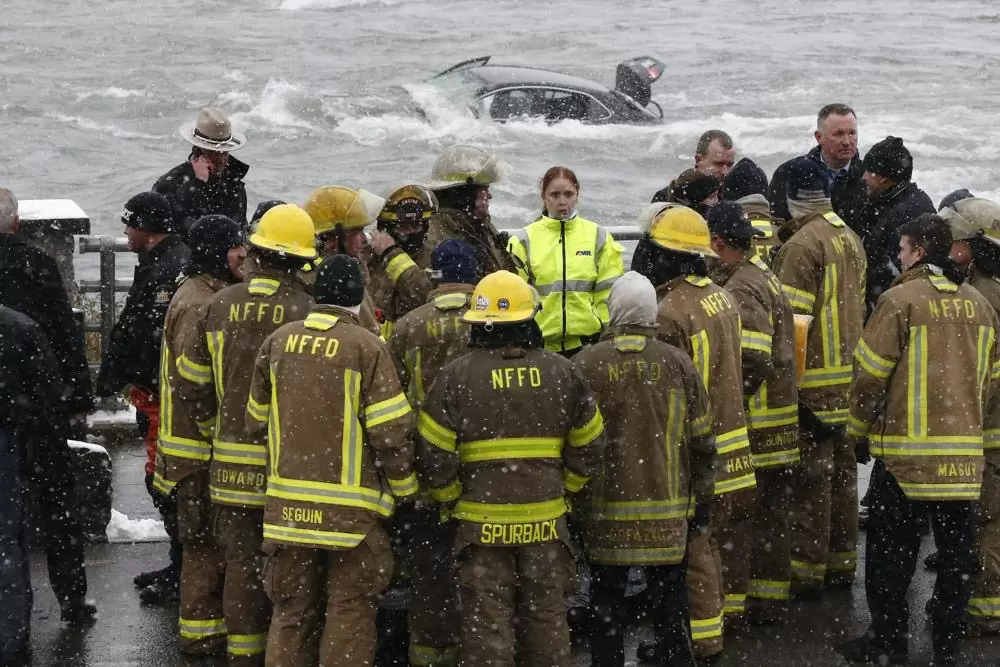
30, 283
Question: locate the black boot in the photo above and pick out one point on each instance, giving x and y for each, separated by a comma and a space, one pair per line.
169, 573
866, 650
161, 593
79, 613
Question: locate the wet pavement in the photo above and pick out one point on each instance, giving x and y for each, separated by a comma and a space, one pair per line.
129, 633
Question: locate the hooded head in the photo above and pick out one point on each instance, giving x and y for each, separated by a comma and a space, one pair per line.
952, 198
263, 208
890, 159
745, 179
632, 301
695, 189
339, 282
807, 189
213, 240
454, 261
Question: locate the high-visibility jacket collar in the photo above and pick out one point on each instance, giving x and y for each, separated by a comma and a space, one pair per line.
554, 224
323, 316
628, 330
450, 288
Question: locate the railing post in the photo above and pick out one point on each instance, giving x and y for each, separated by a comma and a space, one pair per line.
107, 292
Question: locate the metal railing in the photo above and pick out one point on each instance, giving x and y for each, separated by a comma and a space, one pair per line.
107, 285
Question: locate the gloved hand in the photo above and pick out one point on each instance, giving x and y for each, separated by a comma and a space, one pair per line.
862, 451
698, 524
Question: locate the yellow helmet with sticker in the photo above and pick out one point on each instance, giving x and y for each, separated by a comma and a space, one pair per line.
504, 298
337, 206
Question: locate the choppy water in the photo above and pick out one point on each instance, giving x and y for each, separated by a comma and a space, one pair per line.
93, 91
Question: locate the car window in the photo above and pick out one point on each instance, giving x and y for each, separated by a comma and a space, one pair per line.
512, 103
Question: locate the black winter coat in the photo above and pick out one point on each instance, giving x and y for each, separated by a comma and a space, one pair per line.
32, 393
133, 355
881, 219
847, 192
31, 284
192, 199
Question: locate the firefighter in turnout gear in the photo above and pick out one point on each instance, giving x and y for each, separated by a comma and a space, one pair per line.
822, 268
929, 465
646, 494
461, 179
340, 216
571, 261
423, 342
767, 343
701, 318
215, 383
397, 258
507, 481
746, 184
183, 453
319, 381
975, 228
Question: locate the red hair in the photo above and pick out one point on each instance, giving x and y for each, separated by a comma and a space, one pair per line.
559, 172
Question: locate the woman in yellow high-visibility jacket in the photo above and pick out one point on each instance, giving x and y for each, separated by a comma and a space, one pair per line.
571, 261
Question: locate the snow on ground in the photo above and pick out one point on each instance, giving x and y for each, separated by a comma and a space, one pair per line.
108, 417
123, 529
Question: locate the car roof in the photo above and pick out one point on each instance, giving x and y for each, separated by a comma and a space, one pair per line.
507, 75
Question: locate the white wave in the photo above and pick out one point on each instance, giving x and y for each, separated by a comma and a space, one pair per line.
236, 75
88, 124
113, 92
292, 5
278, 107
234, 99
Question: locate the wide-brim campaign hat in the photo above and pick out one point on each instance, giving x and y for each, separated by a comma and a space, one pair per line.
212, 131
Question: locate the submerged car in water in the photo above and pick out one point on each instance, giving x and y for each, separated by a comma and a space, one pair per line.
506, 92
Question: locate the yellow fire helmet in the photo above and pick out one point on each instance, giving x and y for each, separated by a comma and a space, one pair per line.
502, 297
467, 165
973, 218
681, 229
408, 204
288, 229
336, 206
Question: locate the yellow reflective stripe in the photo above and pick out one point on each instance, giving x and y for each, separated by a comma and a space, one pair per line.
673, 436
916, 384
995, 371
773, 459
586, 434
201, 629
808, 571
984, 348
451, 301
942, 284
833, 219
635, 556
700, 354
510, 448
428, 656
727, 443
698, 281
755, 340
446, 494
399, 265
643, 510
991, 438
274, 425
940, 445
706, 628
736, 603
239, 453
326, 538
401, 488
825, 376
769, 589
258, 411
184, 448
387, 410
873, 363
701, 426
216, 347
547, 510
836, 417
162, 484
857, 428
984, 607
320, 321
435, 434
350, 440
415, 372
264, 286
573, 482
207, 427
799, 299
747, 481
241, 498
772, 417
829, 317
325, 493
630, 343
940, 491
193, 372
